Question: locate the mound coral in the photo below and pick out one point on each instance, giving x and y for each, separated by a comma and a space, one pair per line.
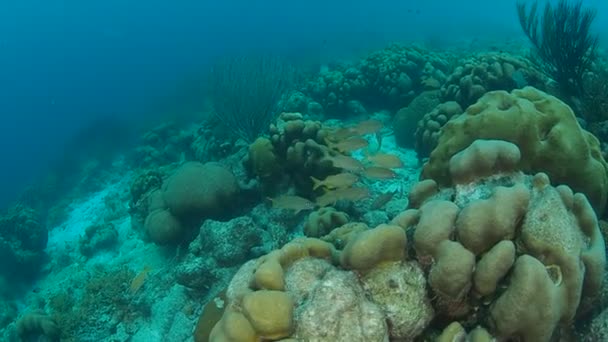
544, 129
192, 193
504, 252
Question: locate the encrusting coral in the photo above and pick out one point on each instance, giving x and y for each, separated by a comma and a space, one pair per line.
504, 253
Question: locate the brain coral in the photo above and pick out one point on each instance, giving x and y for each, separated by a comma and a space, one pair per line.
544, 129
504, 253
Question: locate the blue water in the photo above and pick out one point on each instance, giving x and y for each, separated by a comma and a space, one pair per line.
63, 64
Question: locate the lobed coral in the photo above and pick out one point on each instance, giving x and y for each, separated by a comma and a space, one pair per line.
544, 129
504, 253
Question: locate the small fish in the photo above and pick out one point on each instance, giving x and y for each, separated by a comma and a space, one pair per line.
292, 202
368, 127
385, 160
349, 194
346, 163
382, 200
341, 133
350, 144
139, 280
375, 172
339, 181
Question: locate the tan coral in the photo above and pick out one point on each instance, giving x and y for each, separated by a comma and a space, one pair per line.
406, 219
531, 307
483, 158
547, 232
322, 221
372, 247
544, 129
492, 267
451, 277
432, 229
270, 313
421, 192
484, 222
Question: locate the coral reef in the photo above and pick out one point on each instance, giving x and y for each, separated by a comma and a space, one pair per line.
296, 148
22, 242
481, 73
193, 192
386, 79
325, 229
217, 250
37, 325
322, 221
97, 238
546, 132
429, 127
406, 119
503, 240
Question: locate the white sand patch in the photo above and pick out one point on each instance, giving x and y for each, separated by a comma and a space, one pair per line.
82, 215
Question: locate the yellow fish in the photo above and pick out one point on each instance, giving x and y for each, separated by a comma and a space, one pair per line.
341, 133
139, 280
349, 194
350, 144
382, 200
375, 172
385, 160
345, 162
368, 127
291, 202
341, 180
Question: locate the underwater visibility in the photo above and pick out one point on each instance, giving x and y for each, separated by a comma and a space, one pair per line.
310, 172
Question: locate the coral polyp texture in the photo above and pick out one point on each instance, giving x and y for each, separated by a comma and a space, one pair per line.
499, 254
